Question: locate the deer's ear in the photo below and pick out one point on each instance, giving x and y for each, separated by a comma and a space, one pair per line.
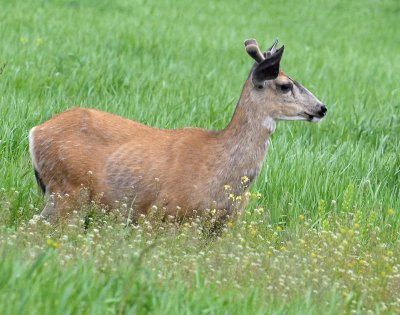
267, 69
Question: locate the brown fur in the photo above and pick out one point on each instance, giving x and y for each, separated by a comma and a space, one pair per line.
117, 159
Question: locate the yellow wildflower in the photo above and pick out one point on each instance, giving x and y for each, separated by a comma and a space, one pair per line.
39, 41
259, 210
53, 244
245, 179
23, 40
391, 211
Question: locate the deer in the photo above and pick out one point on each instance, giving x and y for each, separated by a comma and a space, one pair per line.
182, 171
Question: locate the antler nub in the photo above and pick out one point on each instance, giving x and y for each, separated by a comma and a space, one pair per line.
253, 50
272, 49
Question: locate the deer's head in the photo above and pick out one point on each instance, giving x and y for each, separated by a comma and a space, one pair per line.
286, 98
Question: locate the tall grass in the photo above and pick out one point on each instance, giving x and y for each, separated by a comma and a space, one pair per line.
171, 64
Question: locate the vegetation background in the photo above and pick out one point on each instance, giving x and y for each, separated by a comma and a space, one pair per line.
322, 233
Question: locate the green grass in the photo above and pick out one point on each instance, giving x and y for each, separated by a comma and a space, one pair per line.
328, 237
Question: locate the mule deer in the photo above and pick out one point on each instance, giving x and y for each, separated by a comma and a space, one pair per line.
181, 170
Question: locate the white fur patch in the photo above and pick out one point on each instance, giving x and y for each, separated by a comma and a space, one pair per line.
291, 118
269, 124
316, 119
32, 148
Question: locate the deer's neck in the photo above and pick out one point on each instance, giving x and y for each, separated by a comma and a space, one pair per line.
246, 139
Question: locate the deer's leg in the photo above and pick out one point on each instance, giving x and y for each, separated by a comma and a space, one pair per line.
62, 203
48, 211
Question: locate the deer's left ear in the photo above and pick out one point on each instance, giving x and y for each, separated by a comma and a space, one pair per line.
268, 69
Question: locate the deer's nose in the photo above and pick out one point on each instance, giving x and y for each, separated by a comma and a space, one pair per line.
323, 110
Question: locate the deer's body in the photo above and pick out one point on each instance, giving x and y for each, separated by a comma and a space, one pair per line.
181, 170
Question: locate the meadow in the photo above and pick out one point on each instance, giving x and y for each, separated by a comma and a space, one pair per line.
321, 234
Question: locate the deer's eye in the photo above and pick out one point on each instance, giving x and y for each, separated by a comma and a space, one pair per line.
285, 87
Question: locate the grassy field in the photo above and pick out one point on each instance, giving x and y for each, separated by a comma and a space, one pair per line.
323, 234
